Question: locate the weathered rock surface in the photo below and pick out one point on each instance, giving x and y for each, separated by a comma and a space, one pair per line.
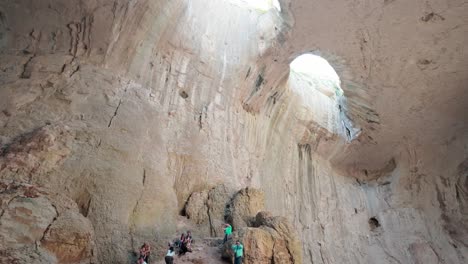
273, 241
196, 208
161, 99
35, 153
37, 226
218, 199
70, 238
219, 205
244, 206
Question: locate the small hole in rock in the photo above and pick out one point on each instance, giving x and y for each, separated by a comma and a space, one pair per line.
183, 94
373, 223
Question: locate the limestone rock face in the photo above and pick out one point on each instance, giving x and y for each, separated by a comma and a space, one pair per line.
37, 226
129, 107
70, 238
213, 207
196, 207
244, 206
218, 200
25, 220
35, 153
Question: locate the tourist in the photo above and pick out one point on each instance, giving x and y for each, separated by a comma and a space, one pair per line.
145, 252
185, 246
238, 249
227, 232
182, 239
189, 241
170, 256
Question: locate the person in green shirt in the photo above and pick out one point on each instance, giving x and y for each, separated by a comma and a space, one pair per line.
238, 249
227, 232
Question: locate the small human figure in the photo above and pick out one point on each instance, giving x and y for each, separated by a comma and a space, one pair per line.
145, 252
227, 232
182, 239
238, 250
170, 256
189, 241
185, 247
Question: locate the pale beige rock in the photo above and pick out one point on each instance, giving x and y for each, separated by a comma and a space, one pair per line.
35, 153
218, 200
273, 241
37, 226
166, 98
70, 238
196, 207
210, 208
244, 206
25, 220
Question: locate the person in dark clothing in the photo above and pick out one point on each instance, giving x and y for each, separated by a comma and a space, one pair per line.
183, 248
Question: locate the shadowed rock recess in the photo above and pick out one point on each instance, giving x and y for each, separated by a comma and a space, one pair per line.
122, 119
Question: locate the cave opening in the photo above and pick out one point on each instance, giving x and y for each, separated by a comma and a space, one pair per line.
317, 73
373, 223
314, 80
318, 87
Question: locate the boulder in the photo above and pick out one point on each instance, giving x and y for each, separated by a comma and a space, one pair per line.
244, 206
218, 199
38, 226
209, 208
70, 238
274, 241
262, 218
196, 207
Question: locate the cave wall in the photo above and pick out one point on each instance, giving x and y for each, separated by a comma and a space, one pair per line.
164, 98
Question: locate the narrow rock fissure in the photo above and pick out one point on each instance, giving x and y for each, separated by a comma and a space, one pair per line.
27, 70
115, 113
51, 223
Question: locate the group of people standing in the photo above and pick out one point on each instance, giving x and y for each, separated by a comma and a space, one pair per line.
185, 245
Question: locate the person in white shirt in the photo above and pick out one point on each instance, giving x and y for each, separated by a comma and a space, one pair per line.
170, 256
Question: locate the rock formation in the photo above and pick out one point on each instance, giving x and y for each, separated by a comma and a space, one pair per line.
219, 205
125, 108
38, 226
272, 241
208, 208
244, 206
